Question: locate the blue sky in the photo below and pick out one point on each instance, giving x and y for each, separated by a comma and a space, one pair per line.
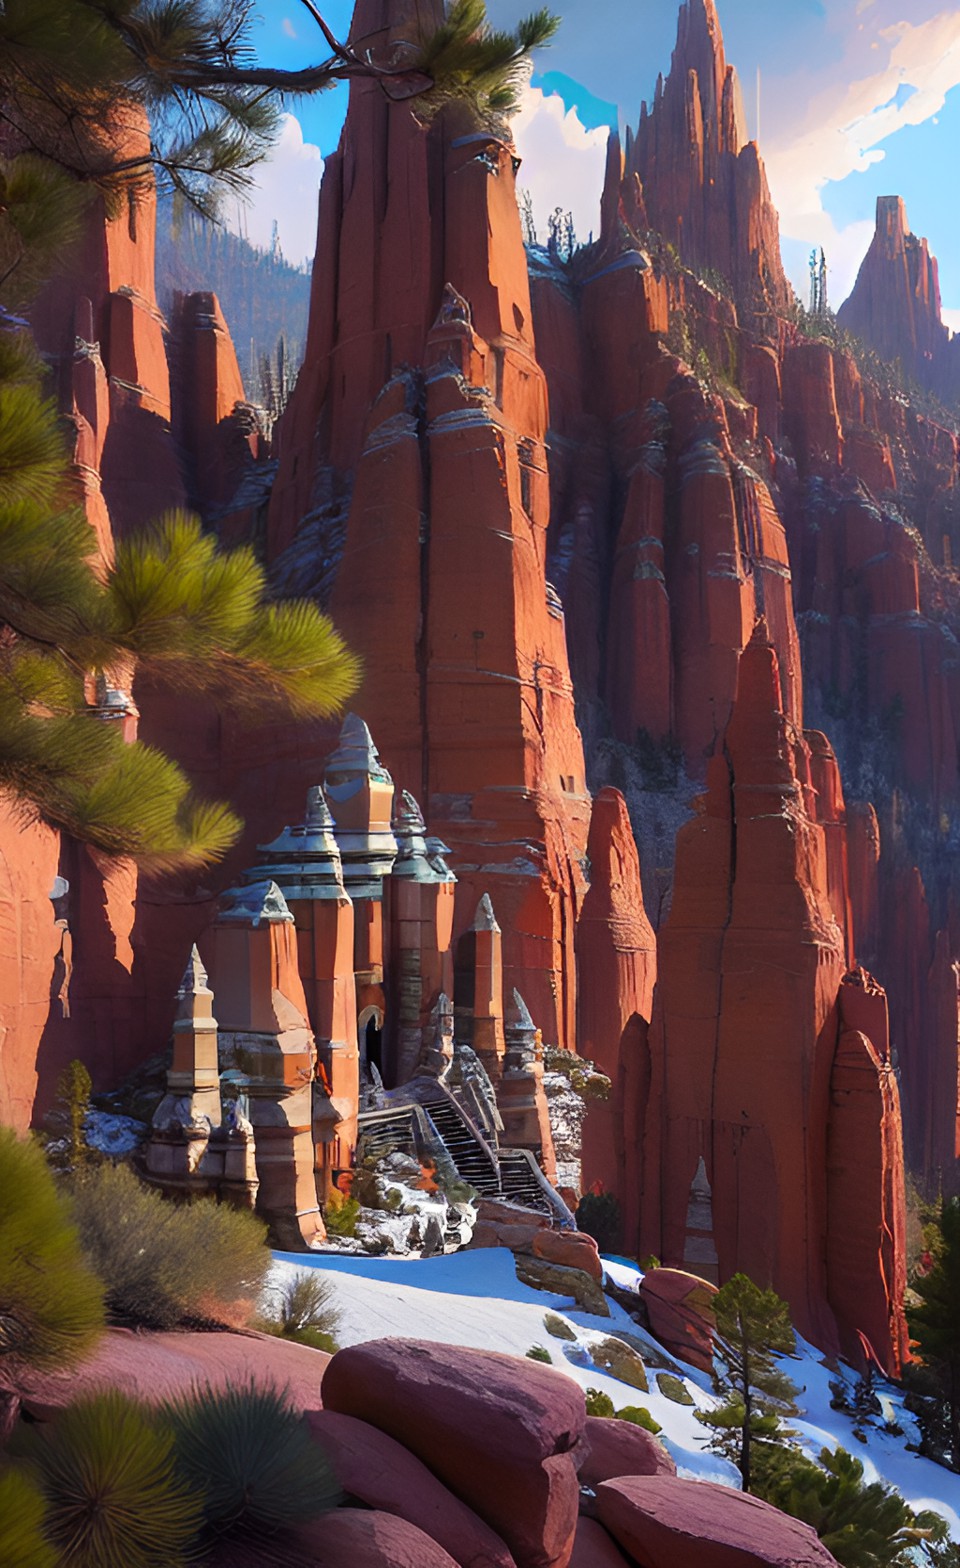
857, 99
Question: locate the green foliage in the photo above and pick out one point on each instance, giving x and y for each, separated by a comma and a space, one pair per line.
674, 1389
22, 1541
753, 1327
558, 1327
67, 1150
306, 1311
599, 1403
583, 1076
639, 1415
162, 1263
113, 1496
935, 1324
172, 604
469, 60
51, 1305
539, 1353
66, 66
598, 1214
341, 1214
864, 1526
252, 1457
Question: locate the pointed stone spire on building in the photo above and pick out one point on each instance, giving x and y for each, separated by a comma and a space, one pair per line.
700, 1252
359, 793
488, 1037
304, 861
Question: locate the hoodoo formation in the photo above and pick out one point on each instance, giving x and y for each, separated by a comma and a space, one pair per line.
655, 756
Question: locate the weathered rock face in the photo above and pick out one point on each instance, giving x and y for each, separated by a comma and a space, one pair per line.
745, 1038
616, 949
442, 585
895, 303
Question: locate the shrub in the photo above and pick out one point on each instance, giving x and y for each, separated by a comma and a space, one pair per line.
164, 1263
540, 1353
557, 1326
51, 1305
673, 1388
114, 1498
340, 1215
22, 1541
638, 1415
252, 1457
599, 1403
306, 1312
67, 1148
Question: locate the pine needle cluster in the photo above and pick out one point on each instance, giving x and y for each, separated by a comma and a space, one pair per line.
172, 606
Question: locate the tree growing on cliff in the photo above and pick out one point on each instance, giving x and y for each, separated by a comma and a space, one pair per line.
935, 1325
753, 1328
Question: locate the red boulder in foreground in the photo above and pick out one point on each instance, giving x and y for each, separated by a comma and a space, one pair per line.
618, 1448
664, 1523
358, 1538
380, 1472
503, 1434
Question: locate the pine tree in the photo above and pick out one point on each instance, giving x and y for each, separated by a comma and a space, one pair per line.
935, 1324
171, 605
864, 1525
214, 107
753, 1327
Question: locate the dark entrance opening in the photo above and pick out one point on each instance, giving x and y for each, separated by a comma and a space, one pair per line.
373, 1046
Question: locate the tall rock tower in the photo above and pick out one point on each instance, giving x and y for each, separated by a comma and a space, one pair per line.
413, 467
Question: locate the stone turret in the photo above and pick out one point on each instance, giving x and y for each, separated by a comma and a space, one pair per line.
265, 1037
420, 905
304, 862
479, 989
521, 1096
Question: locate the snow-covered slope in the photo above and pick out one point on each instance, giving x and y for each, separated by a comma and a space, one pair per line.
474, 1298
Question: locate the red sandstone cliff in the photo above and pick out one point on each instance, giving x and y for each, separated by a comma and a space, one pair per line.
895, 303
422, 398
707, 464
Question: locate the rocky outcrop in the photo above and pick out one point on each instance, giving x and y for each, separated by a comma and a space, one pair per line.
661, 1522
422, 394
702, 184
895, 302
745, 1040
501, 1435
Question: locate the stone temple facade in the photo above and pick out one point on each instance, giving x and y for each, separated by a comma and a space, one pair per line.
335, 1010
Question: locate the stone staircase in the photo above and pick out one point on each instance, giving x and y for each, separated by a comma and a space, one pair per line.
473, 1162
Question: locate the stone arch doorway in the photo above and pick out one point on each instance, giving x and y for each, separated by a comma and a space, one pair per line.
370, 1040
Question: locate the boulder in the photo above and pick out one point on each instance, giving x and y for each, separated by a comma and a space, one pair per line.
501, 1433
620, 1360
563, 1281
618, 1448
663, 1523
358, 1538
680, 1313
384, 1475
593, 1547
154, 1367
571, 1249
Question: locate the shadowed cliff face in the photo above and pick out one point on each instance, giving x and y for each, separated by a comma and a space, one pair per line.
616, 522
895, 303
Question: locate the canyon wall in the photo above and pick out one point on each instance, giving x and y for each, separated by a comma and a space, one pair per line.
612, 535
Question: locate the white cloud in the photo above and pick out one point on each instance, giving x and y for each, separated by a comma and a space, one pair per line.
288, 27
563, 162
838, 130
287, 188
952, 320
